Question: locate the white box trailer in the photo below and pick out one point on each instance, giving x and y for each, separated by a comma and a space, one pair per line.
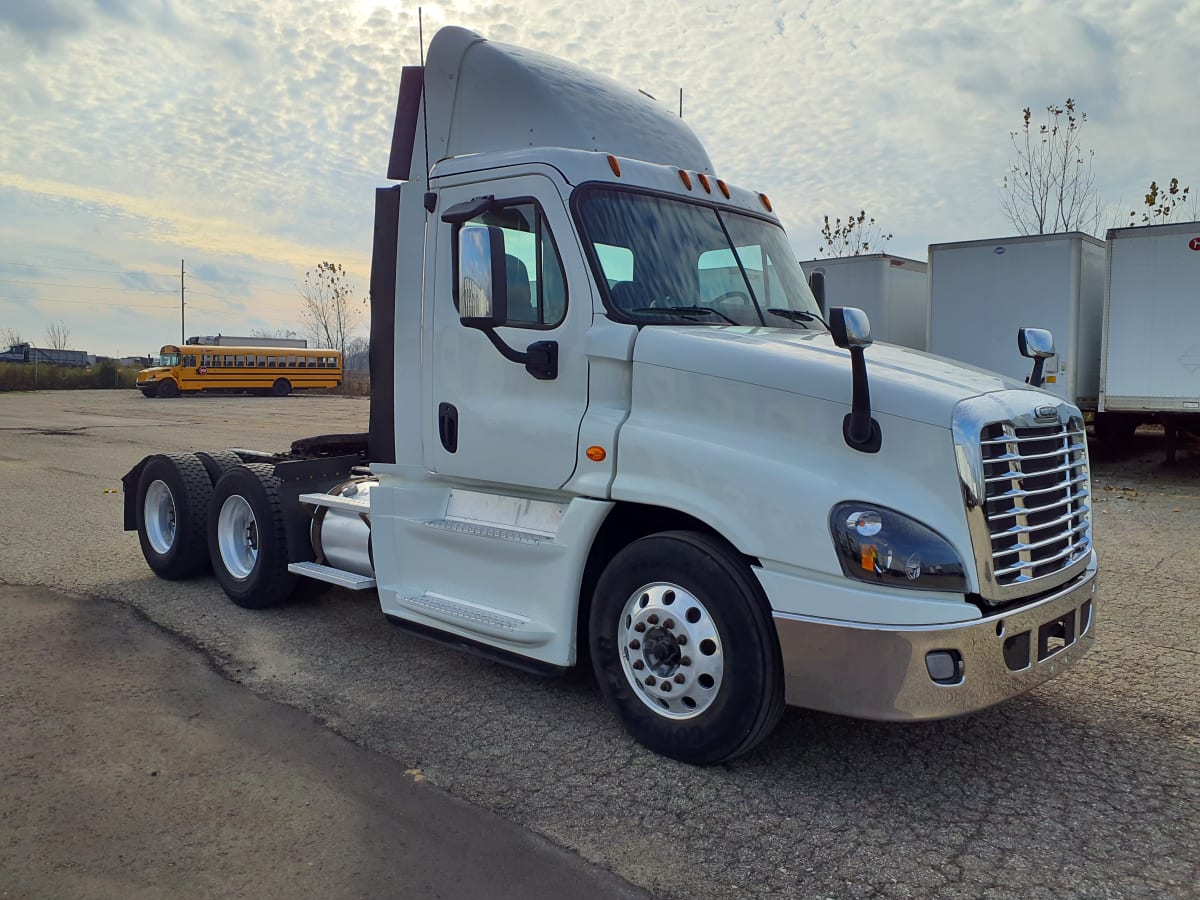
1151, 359
892, 290
980, 291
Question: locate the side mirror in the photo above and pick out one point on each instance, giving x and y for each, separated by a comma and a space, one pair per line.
482, 277
816, 283
1036, 344
850, 327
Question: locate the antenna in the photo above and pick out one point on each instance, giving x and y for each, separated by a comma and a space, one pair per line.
681, 103
430, 199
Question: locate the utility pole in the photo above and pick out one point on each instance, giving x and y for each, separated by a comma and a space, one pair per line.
182, 326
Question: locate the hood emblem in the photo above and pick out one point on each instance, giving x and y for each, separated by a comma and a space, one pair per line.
1045, 412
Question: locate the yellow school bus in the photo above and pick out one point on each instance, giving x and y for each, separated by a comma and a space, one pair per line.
254, 370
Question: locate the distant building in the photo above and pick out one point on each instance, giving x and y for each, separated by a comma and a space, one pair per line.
237, 340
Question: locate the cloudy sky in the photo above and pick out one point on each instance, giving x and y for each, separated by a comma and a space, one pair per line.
247, 137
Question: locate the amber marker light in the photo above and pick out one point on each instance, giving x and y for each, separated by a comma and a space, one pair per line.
724, 188
615, 165
686, 179
596, 454
704, 182
766, 202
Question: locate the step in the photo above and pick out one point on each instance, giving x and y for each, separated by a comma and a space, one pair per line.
480, 619
333, 501
496, 532
340, 577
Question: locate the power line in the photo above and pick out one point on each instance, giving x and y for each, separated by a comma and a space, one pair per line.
26, 265
89, 287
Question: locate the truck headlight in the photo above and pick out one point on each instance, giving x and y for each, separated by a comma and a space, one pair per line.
879, 545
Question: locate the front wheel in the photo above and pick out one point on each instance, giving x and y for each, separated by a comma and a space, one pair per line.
684, 649
247, 542
167, 388
281, 388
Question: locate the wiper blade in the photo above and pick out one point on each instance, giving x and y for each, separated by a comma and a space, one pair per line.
686, 312
798, 315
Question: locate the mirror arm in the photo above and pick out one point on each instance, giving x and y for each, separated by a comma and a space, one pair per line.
540, 358
1036, 378
858, 428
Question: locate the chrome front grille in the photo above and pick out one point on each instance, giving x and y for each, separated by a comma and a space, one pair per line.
1036, 498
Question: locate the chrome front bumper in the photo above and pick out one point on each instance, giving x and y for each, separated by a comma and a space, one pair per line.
881, 672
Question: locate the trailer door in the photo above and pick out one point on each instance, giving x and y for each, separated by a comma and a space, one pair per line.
486, 418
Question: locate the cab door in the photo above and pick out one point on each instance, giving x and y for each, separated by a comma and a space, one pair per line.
487, 418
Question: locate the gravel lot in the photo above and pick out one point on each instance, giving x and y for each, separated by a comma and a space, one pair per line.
1087, 786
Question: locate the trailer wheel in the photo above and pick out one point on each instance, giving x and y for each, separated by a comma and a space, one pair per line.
218, 462
173, 496
167, 388
281, 388
246, 538
684, 649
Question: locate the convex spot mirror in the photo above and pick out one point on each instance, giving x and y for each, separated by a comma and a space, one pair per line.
1035, 343
850, 327
482, 277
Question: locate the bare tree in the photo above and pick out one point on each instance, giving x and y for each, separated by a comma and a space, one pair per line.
1163, 203
1051, 184
358, 354
330, 310
859, 235
281, 333
58, 335
10, 337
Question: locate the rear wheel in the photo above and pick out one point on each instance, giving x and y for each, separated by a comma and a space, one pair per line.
172, 505
147, 392
218, 462
167, 388
281, 388
684, 649
247, 542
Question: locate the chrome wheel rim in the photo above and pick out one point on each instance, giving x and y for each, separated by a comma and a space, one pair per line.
159, 513
670, 651
237, 537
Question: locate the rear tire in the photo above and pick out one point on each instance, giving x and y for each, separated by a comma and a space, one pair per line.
167, 388
218, 462
684, 649
173, 497
147, 392
281, 388
247, 542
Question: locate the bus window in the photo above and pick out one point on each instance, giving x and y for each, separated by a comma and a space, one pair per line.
262, 362
241, 361
320, 362
310, 362
229, 360
189, 360
291, 362
206, 359
270, 362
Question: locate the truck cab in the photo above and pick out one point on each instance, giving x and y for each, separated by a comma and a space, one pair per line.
610, 427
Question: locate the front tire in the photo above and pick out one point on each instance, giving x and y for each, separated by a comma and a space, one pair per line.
173, 496
281, 388
684, 649
167, 388
247, 542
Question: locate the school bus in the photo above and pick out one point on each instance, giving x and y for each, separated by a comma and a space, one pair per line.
255, 370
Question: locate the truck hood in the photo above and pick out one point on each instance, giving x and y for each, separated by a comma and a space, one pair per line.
903, 382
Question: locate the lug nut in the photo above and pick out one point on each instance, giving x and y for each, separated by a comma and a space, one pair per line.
681, 640
652, 618
635, 644
679, 679
685, 660
669, 624
639, 627
650, 680
666, 686
638, 664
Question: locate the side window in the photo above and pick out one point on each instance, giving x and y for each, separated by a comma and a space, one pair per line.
291, 363
270, 362
241, 361
262, 362
537, 287
312, 362
189, 360
229, 360
206, 359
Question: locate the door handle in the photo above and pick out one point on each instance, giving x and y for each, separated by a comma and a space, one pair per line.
448, 426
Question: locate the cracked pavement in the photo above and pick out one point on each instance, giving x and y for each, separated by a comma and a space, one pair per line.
1088, 786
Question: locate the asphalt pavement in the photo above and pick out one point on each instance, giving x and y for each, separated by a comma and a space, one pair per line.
1088, 786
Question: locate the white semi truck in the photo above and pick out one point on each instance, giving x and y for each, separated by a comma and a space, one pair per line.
608, 427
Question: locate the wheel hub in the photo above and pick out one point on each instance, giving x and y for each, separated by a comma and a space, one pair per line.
670, 650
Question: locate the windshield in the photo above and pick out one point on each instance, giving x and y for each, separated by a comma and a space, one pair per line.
668, 260
168, 359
